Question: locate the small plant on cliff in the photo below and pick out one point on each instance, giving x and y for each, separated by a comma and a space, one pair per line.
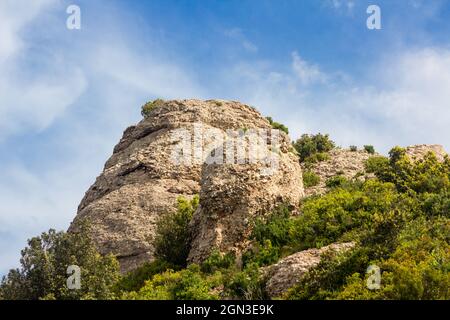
310, 179
172, 242
369, 149
278, 126
353, 148
149, 106
43, 274
313, 148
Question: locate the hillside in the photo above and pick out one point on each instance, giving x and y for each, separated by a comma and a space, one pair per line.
211, 200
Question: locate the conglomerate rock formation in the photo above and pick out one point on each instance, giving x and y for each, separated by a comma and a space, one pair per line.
232, 195
162, 158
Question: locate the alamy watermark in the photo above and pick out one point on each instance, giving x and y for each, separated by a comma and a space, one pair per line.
204, 144
373, 282
374, 20
74, 280
73, 21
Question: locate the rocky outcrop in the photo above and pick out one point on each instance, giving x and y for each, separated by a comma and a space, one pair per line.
160, 159
418, 152
288, 271
232, 195
342, 162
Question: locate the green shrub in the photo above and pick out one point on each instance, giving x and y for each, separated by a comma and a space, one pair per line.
309, 145
336, 181
353, 148
376, 164
149, 106
416, 270
273, 227
278, 126
247, 285
217, 261
134, 280
426, 175
317, 157
44, 263
369, 149
310, 179
262, 254
187, 284
172, 242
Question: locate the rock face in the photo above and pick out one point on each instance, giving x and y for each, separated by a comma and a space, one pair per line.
232, 195
341, 162
288, 271
149, 170
418, 152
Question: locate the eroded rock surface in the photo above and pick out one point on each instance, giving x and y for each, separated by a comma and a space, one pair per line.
232, 195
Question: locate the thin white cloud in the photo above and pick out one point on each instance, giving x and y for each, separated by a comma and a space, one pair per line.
31, 99
405, 102
14, 15
347, 5
117, 78
238, 35
306, 72
149, 74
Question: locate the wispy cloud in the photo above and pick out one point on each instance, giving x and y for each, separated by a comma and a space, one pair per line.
85, 99
306, 72
31, 99
238, 35
404, 101
346, 5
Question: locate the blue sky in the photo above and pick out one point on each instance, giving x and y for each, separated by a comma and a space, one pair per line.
67, 95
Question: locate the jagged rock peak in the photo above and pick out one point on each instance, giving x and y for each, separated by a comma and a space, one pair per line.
143, 178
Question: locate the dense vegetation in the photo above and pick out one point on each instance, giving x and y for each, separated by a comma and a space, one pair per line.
313, 148
399, 220
401, 224
43, 273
